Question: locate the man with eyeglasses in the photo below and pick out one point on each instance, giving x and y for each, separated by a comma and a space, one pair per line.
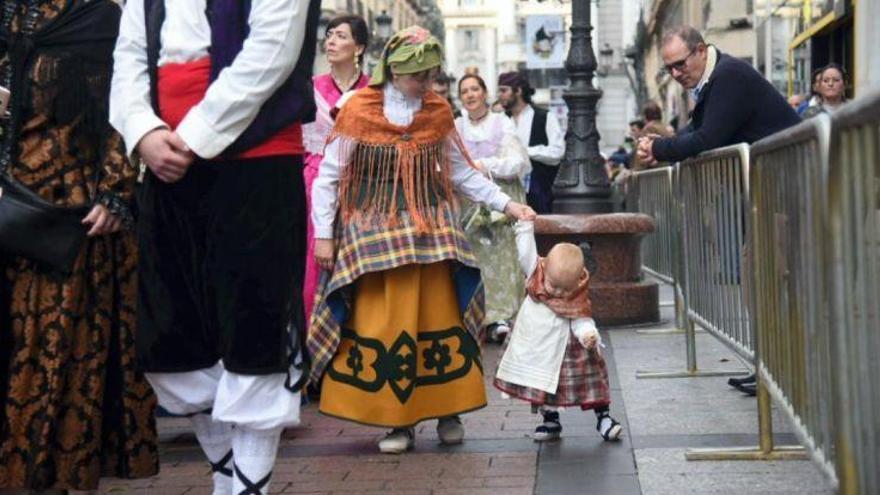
734, 103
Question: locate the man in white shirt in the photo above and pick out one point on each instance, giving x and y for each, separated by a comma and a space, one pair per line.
540, 132
210, 96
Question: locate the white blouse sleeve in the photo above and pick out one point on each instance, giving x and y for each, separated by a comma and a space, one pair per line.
512, 159
269, 55
473, 185
325, 190
526, 247
585, 327
553, 152
130, 110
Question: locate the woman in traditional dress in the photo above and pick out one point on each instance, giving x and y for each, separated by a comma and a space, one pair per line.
492, 143
73, 407
345, 42
393, 333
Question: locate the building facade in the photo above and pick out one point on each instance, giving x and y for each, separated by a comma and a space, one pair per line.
727, 24
489, 37
615, 24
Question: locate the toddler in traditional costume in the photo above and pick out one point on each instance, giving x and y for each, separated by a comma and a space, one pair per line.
552, 359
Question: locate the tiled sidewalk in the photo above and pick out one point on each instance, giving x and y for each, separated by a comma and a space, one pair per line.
326, 455
662, 418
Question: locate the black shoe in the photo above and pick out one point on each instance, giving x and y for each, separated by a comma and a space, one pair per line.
550, 429
738, 382
749, 389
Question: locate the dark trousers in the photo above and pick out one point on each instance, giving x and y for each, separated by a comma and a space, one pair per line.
222, 257
540, 195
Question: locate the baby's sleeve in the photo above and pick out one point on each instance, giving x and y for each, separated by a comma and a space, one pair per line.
526, 247
585, 327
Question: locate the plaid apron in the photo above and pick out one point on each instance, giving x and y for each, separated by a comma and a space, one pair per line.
583, 381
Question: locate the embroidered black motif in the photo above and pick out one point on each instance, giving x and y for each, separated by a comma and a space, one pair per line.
446, 355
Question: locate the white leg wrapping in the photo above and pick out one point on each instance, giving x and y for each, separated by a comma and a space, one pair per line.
254, 452
215, 439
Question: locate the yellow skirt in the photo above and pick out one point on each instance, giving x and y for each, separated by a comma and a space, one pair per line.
404, 356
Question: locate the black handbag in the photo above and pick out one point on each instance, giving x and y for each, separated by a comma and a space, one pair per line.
30, 226
33, 228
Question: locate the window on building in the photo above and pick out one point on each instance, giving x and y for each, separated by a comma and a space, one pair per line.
470, 39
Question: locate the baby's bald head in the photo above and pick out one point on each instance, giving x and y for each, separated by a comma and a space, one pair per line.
565, 266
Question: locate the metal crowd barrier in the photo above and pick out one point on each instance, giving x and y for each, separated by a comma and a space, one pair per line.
655, 197
789, 296
653, 192
713, 188
779, 258
854, 226
706, 212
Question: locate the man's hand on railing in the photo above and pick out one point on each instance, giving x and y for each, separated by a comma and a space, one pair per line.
645, 150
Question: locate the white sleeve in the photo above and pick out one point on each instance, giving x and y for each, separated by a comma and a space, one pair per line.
512, 160
232, 102
552, 153
473, 185
585, 327
325, 190
131, 112
526, 247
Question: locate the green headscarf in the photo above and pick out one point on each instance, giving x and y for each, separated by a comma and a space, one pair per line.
411, 50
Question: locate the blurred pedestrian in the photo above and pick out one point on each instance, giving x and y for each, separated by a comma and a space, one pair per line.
73, 405
796, 100
832, 91
492, 142
652, 126
441, 86
541, 134
813, 97
393, 334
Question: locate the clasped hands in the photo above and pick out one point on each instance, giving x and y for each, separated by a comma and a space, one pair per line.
166, 154
645, 149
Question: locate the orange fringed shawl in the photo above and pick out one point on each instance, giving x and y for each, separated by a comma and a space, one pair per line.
414, 159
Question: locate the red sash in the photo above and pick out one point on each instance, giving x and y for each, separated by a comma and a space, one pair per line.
183, 86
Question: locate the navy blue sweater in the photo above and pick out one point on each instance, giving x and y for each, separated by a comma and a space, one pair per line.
736, 105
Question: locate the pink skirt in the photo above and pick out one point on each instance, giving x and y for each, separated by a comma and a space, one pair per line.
313, 271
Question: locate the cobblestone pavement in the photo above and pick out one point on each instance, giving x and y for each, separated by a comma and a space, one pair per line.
662, 419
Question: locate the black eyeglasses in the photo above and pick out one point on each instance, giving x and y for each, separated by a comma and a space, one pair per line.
679, 65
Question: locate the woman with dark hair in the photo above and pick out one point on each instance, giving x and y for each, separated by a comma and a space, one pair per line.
831, 91
492, 142
813, 95
73, 405
345, 43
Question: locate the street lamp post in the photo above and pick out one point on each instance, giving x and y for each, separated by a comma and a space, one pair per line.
582, 185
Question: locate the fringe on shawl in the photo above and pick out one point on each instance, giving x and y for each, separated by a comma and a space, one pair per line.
421, 171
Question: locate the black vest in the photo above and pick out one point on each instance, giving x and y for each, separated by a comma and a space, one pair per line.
293, 102
538, 137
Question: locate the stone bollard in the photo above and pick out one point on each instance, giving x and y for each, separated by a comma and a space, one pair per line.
619, 293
